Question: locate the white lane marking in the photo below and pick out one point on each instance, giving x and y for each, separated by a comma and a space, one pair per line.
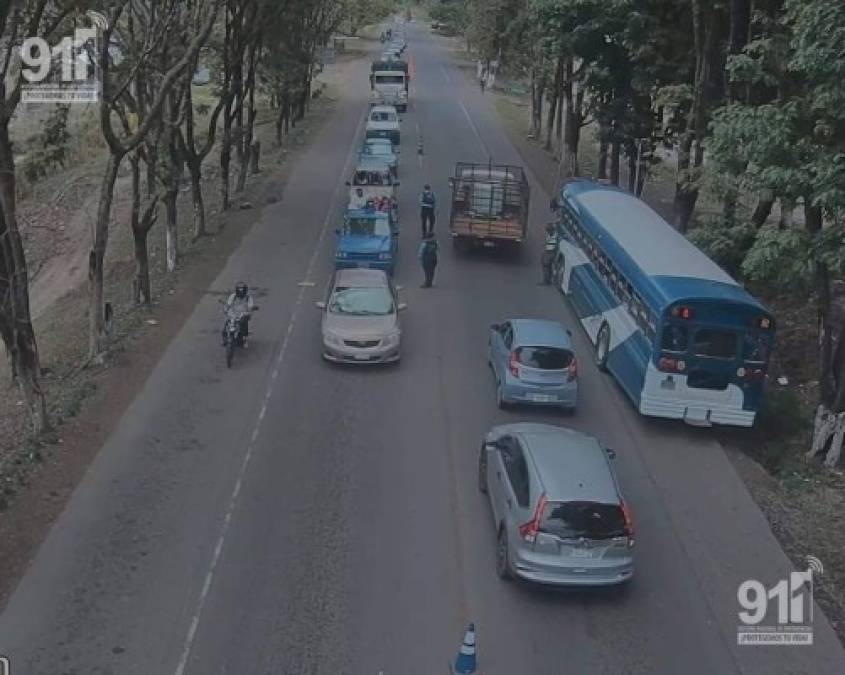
446, 74
233, 500
305, 284
474, 128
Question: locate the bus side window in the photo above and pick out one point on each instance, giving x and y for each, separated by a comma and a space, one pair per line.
674, 339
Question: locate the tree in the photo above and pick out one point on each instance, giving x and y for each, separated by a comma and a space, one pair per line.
19, 19
115, 107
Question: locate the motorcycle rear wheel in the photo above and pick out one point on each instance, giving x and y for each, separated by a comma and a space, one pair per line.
230, 353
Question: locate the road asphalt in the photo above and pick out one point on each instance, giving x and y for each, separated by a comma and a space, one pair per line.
292, 517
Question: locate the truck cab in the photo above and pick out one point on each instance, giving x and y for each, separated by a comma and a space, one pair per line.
383, 122
366, 239
390, 82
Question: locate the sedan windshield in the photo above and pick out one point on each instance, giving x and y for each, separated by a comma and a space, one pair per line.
362, 302
591, 520
377, 149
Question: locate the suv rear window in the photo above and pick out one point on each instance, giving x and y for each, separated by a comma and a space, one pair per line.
544, 358
591, 520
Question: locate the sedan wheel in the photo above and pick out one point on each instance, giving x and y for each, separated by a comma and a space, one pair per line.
503, 568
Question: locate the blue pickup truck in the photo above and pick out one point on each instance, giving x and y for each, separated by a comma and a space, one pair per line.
369, 239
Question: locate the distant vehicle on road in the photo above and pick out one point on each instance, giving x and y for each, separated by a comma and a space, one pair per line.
489, 204
682, 338
534, 362
558, 511
389, 81
367, 239
376, 181
383, 122
382, 148
361, 318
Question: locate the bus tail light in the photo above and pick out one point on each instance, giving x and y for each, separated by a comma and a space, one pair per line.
572, 371
682, 312
750, 374
669, 365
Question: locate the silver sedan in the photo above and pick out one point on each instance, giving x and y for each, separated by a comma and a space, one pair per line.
361, 318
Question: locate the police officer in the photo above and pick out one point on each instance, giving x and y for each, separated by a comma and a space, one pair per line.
428, 203
549, 251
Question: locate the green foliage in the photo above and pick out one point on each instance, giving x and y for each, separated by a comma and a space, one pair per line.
725, 242
781, 258
783, 414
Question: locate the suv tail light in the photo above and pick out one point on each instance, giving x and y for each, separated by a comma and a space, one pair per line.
573, 369
513, 364
629, 523
528, 531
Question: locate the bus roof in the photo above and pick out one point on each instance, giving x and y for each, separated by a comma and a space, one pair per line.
664, 265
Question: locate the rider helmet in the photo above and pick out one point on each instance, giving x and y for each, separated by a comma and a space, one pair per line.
241, 289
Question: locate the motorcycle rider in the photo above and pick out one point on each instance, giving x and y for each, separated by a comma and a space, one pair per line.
549, 251
241, 304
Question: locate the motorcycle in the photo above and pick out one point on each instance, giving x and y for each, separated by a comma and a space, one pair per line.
232, 335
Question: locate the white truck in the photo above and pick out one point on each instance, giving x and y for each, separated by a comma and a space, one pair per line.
389, 84
383, 122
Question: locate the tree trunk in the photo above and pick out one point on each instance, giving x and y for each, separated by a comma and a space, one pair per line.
195, 171
603, 147
691, 149
552, 116
615, 152
15, 320
762, 210
142, 287
740, 22
572, 125
172, 235
245, 157
96, 259
632, 167
225, 163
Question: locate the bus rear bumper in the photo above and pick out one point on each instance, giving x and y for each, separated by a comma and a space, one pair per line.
696, 414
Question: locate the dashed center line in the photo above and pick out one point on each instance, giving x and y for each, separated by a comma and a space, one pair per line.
233, 500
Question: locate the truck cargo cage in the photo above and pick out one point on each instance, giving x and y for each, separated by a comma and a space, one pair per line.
489, 202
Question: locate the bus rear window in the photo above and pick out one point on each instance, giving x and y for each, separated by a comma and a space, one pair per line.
544, 358
674, 339
717, 344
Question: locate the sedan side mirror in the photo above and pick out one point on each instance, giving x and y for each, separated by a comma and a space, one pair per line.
553, 204
402, 306
320, 304
349, 183
610, 453
496, 327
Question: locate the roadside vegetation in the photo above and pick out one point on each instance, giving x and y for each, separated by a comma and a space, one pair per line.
190, 91
740, 106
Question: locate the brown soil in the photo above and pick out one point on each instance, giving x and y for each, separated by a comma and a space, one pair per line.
37, 476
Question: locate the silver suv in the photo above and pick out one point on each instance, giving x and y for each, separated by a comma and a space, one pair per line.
559, 514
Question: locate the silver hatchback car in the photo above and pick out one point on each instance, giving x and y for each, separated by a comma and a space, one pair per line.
361, 317
559, 514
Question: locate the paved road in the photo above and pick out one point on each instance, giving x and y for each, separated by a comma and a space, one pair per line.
289, 517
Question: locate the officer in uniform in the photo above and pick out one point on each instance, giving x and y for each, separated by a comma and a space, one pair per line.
549, 252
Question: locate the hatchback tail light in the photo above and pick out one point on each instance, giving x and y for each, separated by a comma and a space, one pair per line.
513, 364
629, 523
572, 371
528, 531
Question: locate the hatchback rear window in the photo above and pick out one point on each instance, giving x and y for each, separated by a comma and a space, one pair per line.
591, 520
544, 358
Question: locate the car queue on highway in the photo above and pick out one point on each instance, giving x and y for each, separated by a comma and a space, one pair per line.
683, 339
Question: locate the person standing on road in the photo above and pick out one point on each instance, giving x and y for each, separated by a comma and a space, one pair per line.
428, 258
549, 250
483, 81
428, 203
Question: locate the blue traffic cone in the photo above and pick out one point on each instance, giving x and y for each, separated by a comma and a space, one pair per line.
466, 663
